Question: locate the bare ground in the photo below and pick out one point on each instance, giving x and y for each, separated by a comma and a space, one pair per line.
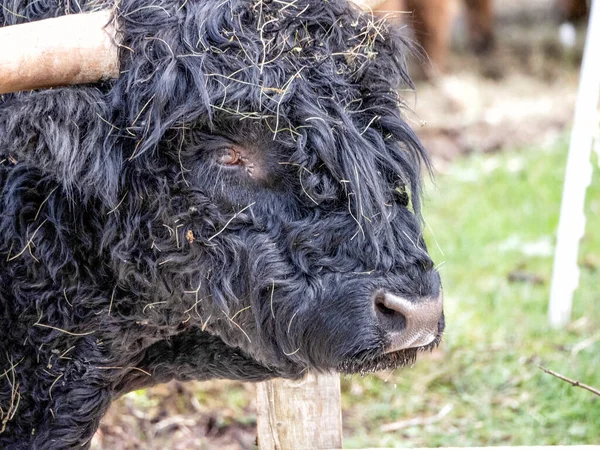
522, 94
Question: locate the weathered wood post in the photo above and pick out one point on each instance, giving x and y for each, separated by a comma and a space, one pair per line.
571, 226
300, 415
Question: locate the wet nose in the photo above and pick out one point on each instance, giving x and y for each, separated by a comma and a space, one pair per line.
408, 323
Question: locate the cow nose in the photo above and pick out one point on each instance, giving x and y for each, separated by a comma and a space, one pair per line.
408, 323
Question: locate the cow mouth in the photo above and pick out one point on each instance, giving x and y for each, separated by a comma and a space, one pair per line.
376, 360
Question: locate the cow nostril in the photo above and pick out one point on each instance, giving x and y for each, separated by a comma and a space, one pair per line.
407, 323
389, 318
382, 308
391, 305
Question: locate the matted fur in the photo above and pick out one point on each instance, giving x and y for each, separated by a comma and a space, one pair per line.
129, 256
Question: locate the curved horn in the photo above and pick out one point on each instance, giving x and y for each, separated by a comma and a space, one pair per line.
74, 49
369, 3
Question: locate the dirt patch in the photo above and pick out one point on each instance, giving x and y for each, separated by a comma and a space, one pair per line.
466, 113
182, 416
521, 94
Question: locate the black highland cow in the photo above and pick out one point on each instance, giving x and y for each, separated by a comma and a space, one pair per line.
242, 203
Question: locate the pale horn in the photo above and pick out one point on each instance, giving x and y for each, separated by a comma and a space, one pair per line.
74, 49
369, 3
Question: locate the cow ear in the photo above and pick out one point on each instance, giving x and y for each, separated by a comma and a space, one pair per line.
65, 134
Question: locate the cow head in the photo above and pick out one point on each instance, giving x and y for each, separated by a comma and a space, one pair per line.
251, 175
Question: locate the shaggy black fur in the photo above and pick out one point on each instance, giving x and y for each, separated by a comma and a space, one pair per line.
134, 251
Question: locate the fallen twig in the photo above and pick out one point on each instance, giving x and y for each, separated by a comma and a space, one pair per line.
571, 382
418, 421
585, 344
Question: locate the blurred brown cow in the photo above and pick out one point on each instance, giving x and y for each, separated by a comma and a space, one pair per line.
572, 10
431, 21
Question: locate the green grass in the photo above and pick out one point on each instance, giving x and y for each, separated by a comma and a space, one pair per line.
493, 216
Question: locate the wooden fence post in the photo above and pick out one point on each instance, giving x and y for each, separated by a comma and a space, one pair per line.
300, 415
571, 226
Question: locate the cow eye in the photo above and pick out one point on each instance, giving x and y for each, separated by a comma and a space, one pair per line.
401, 194
229, 157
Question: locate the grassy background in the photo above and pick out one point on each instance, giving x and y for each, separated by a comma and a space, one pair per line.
492, 220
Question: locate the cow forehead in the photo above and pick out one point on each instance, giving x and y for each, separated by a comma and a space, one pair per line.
272, 53
305, 66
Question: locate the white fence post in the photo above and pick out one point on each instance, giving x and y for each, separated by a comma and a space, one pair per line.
571, 226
